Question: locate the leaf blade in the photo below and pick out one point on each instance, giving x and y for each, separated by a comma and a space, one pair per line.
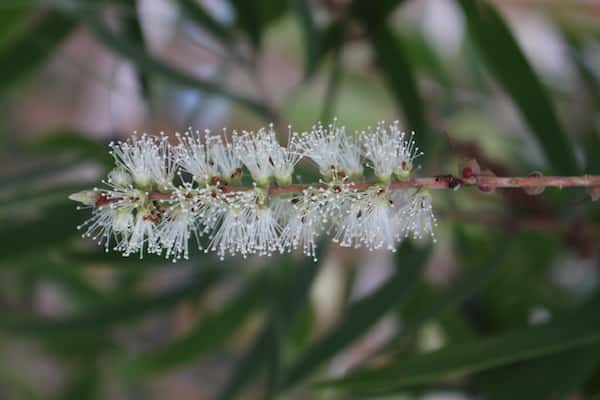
528, 343
510, 67
361, 315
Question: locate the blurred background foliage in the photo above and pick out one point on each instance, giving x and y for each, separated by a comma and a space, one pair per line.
504, 306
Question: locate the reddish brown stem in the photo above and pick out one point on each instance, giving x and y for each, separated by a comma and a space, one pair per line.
439, 182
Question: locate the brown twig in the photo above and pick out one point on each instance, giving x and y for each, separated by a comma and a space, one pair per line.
438, 182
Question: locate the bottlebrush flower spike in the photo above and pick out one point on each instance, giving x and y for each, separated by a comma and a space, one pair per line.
143, 209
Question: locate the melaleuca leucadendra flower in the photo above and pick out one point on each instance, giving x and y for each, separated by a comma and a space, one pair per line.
167, 197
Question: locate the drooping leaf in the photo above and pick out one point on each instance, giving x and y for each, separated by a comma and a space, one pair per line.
29, 48
150, 64
254, 17
58, 225
196, 12
399, 73
106, 316
13, 19
544, 378
310, 35
510, 68
209, 334
43, 169
555, 337
361, 315
69, 141
290, 296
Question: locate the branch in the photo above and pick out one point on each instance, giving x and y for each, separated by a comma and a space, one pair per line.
437, 183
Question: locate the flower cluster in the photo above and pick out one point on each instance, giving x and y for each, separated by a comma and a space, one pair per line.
164, 195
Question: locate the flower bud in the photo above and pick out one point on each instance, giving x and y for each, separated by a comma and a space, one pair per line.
468, 167
123, 219
534, 190
119, 178
484, 188
594, 192
85, 197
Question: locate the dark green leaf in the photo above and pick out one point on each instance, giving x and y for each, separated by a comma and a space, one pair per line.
310, 35
135, 35
44, 168
208, 335
150, 64
19, 237
106, 316
558, 336
31, 47
67, 141
254, 17
544, 378
198, 14
401, 78
361, 315
289, 298
471, 283
13, 19
510, 68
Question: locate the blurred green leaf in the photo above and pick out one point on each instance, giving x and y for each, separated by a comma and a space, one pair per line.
19, 237
467, 286
42, 169
289, 298
70, 141
132, 29
85, 384
150, 64
400, 76
510, 68
362, 314
208, 335
377, 11
423, 57
591, 137
310, 34
13, 20
254, 17
105, 316
544, 378
558, 336
198, 14
31, 47
68, 277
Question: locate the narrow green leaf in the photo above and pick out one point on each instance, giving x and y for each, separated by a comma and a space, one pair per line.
198, 14
254, 17
591, 138
400, 76
558, 336
66, 276
209, 334
511, 69
30, 48
67, 141
361, 315
106, 316
378, 11
290, 298
44, 168
59, 225
249, 365
310, 34
132, 29
150, 64
13, 20
544, 378
472, 283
